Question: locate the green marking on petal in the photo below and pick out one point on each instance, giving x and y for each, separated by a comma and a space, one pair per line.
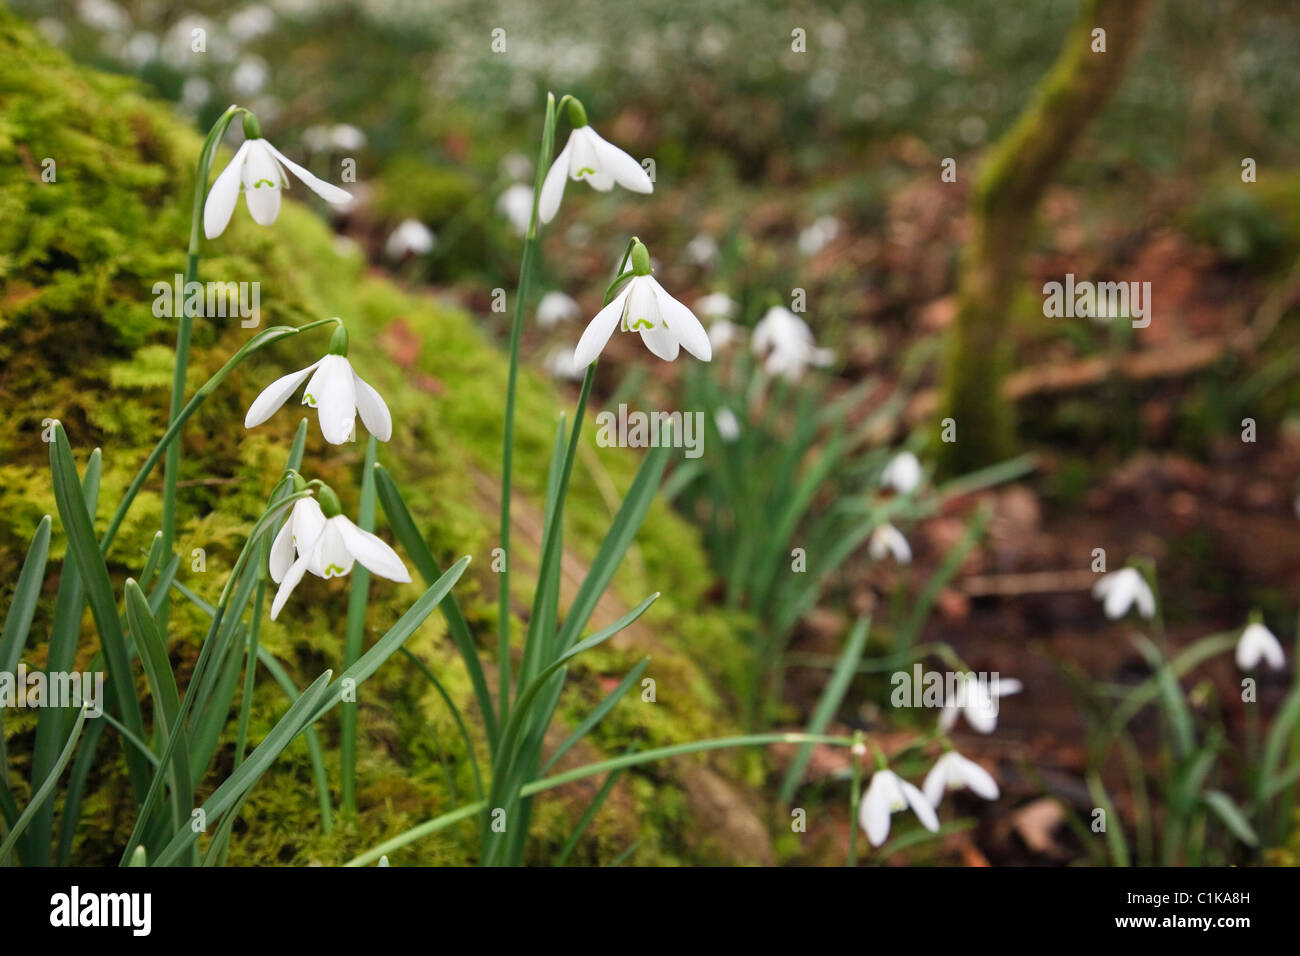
334, 570
264, 182
309, 399
585, 171
642, 323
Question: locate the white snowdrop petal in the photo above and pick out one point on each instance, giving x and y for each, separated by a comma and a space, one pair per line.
282, 551
336, 404
979, 780
291, 579
661, 342
275, 395
327, 191
261, 176
373, 409
686, 328
920, 806
936, 782
553, 186
621, 167
374, 555
331, 557
585, 162
224, 195
600, 329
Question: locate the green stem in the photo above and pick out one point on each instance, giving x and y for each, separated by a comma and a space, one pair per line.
184, 328
508, 444
591, 770
358, 596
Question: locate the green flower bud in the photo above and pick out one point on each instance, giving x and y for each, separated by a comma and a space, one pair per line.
252, 127
640, 258
339, 341
329, 501
577, 114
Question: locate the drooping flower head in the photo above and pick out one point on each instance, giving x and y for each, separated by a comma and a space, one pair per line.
334, 390
588, 157
887, 794
888, 540
258, 170
903, 473
666, 326
789, 344
977, 701
1257, 643
1121, 590
327, 543
952, 771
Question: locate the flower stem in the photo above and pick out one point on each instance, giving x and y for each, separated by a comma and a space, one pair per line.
508, 444
184, 327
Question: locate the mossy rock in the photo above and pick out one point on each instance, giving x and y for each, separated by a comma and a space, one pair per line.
79, 257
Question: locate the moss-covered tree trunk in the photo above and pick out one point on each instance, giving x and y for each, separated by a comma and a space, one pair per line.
1005, 198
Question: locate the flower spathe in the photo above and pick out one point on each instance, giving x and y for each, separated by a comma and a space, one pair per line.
336, 392
1257, 643
886, 795
1121, 590
336, 548
643, 306
258, 170
590, 158
952, 771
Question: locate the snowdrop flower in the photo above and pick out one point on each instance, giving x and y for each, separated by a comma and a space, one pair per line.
702, 250
816, 237
977, 701
952, 771
516, 204
411, 237
789, 344
903, 473
722, 333
251, 23
250, 76
586, 156
887, 540
335, 391
643, 306
556, 307
346, 138
1121, 589
306, 522
887, 794
715, 305
335, 548
1258, 643
559, 362
728, 424
260, 169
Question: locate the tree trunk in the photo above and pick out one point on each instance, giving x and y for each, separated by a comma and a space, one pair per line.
1010, 185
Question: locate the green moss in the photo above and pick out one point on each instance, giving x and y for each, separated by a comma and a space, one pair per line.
78, 260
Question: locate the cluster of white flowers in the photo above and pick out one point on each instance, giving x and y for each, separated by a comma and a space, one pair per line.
1126, 589
317, 536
